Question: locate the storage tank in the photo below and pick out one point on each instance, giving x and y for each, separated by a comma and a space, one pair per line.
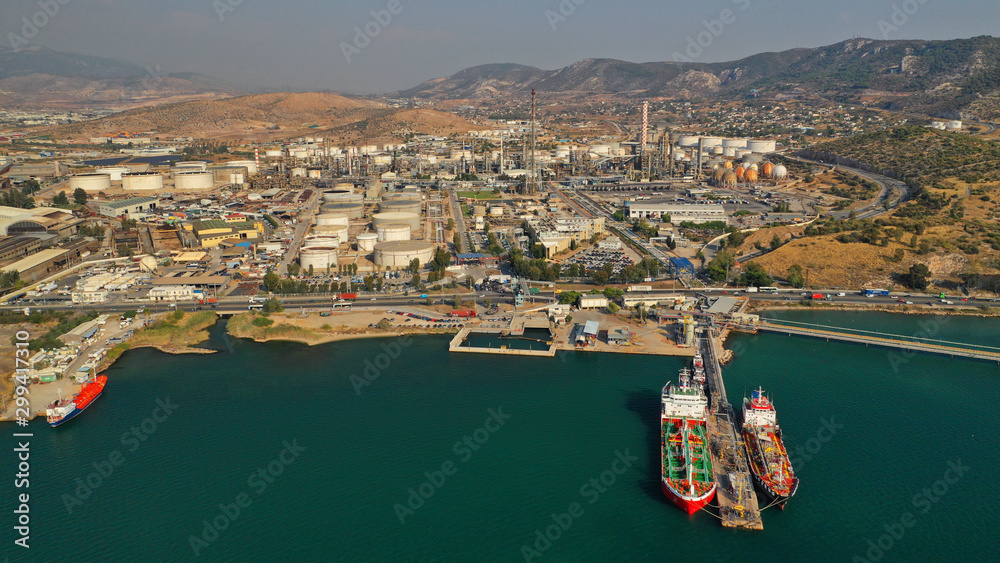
709, 142
479, 211
729, 151
762, 146
250, 165
600, 149
497, 211
194, 181
142, 182
367, 242
299, 172
768, 170
315, 240
688, 141
91, 183
750, 176
400, 206
752, 159
338, 231
780, 172
272, 153
320, 258
411, 219
392, 232
954, 125
727, 164
194, 166
740, 173
116, 172
339, 195
315, 173
352, 210
331, 219
734, 143
716, 151
399, 254
729, 179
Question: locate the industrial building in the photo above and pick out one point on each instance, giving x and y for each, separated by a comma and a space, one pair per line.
557, 235
16, 221
214, 231
128, 206
678, 212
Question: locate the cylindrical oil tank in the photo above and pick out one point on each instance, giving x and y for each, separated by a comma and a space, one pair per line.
338, 231
391, 232
194, 181
338, 195
250, 165
116, 172
729, 151
142, 182
298, 172
331, 219
344, 186
367, 242
400, 206
320, 258
272, 153
91, 183
352, 210
752, 159
411, 219
479, 211
716, 151
315, 173
400, 254
194, 166
734, 143
315, 240
688, 141
496, 211
762, 146
709, 142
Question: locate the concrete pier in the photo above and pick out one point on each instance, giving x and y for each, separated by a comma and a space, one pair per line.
460, 338
734, 490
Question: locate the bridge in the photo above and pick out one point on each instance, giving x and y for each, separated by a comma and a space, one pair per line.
871, 338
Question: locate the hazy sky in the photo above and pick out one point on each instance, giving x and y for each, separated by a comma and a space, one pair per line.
300, 44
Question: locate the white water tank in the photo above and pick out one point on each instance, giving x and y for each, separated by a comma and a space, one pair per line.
91, 183
319, 258
367, 241
411, 219
688, 141
390, 233
250, 165
116, 172
762, 146
315, 240
142, 182
194, 181
734, 143
331, 219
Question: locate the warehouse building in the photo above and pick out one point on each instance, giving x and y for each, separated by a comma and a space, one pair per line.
212, 232
678, 212
129, 206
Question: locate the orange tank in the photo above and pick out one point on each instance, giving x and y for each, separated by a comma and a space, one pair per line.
768, 169
750, 176
739, 173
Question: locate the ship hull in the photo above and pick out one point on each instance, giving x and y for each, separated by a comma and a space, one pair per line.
770, 495
75, 412
766, 487
687, 503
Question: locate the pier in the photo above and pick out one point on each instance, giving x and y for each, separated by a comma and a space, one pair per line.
952, 349
457, 344
735, 494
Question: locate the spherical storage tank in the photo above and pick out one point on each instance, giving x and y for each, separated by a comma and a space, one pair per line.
768, 170
729, 179
333, 219
390, 233
750, 176
319, 258
116, 172
411, 219
400, 254
780, 172
352, 210
740, 172
145, 182
367, 242
400, 206
91, 183
194, 181
717, 176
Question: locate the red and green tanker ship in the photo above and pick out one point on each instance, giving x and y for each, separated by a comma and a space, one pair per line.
687, 477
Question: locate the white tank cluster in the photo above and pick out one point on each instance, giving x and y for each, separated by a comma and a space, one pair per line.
194, 181
411, 219
399, 254
116, 172
90, 183
319, 258
142, 182
392, 232
367, 242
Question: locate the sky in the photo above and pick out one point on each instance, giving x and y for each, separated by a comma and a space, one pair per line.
379, 46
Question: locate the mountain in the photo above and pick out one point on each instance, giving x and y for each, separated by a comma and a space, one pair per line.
38, 76
948, 78
264, 117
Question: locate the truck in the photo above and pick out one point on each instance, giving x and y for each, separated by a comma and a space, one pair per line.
876, 293
463, 314
751, 290
646, 288
817, 296
209, 300
347, 296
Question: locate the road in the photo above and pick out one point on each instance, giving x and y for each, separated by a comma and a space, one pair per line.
456, 212
306, 218
881, 204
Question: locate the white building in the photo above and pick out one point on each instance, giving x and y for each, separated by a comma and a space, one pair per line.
678, 212
89, 297
172, 293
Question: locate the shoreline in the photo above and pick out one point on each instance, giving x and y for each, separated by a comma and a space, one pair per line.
902, 310
327, 339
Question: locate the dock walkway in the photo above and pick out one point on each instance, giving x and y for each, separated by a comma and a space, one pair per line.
735, 493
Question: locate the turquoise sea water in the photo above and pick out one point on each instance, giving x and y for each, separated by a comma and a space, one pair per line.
896, 426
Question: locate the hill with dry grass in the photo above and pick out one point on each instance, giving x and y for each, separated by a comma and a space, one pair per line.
265, 117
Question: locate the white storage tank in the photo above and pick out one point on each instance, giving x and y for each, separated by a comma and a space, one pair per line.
352, 210
399, 254
709, 142
688, 141
780, 172
729, 151
367, 242
411, 219
319, 258
338, 231
298, 172
142, 182
194, 166
314, 240
194, 181
954, 125
250, 165
272, 153
400, 206
116, 172
734, 143
762, 146
91, 183
331, 219
342, 195
390, 233
497, 211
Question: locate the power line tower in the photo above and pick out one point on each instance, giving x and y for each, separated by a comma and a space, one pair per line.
533, 178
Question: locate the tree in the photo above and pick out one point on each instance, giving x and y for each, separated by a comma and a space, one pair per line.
600, 277
451, 224
80, 196
272, 306
754, 275
916, 277
414, 265
457, 241
613, 293
775, 242
383, 324
272, 281
718, 268
60, 199
613, 308
311, 270
795, 277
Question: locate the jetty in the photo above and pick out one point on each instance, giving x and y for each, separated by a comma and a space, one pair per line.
735, 494
457, 344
